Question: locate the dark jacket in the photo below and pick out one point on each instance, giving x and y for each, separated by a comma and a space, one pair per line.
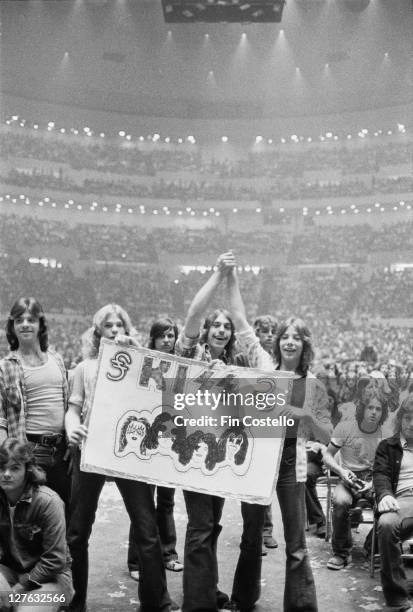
386, 469
40, 535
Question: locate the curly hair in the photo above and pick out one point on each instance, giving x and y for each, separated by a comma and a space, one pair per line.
229, 351
13, 449
157, 426
192, 442
405, 407
302, 330
122, 438
33, 307
92, 336
370, 393
159, 327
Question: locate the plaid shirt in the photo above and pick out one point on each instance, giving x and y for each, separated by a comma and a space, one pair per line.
192, 349
316, 399
13, 394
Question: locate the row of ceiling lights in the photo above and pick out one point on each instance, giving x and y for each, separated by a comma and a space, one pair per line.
95, 206
156, 138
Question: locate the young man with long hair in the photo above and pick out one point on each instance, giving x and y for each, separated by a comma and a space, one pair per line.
33, 392
34, 557
109, 322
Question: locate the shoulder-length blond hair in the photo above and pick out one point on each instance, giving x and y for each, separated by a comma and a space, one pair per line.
91, 338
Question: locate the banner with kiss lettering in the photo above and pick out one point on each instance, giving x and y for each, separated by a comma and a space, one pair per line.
176, 422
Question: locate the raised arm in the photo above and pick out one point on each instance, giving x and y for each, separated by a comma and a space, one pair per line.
248, 342
237, 307
204, 296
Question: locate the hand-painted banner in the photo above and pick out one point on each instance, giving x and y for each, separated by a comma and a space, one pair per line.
176, 422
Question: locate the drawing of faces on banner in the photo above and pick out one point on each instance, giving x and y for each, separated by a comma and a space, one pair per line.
164, 434
235, 449
132, 433
199, 450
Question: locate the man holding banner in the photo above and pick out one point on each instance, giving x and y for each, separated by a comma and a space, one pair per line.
219, 442
108, 322
308, 407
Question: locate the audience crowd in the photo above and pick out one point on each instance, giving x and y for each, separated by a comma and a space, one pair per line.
346, 306
184, 190
109, 156
350, 307
281, 170
353, 244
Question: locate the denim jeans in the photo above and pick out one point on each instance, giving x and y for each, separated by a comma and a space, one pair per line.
246, 588
138, 499
51, 459
342, 540
299, 590
268, 526
166, 526
200, 579
315, 512
392, 528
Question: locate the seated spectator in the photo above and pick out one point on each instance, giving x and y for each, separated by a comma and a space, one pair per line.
393, 484
34, 555
357, 440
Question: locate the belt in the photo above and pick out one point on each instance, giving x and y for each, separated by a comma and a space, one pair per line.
46, 439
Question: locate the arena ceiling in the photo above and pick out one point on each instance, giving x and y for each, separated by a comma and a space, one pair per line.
325, 57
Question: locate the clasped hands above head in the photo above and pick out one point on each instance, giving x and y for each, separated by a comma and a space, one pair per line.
226, 261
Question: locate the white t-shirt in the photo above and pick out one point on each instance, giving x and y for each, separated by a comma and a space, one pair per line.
357, 448
82, 383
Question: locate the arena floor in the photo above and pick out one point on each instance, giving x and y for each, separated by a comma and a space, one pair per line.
112, 589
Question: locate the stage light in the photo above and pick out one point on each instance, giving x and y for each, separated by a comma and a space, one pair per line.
214, 11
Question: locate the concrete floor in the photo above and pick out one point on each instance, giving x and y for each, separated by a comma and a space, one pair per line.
111, 588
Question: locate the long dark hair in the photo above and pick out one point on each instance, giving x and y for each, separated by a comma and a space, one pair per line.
192, 442
372, 391
307, 354
229, 351
157, 426
236, 431
33, 307
159, 327
21, 452
122, 438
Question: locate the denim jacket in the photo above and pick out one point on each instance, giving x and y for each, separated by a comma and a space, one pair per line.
386, 469
13, 394
39, 530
